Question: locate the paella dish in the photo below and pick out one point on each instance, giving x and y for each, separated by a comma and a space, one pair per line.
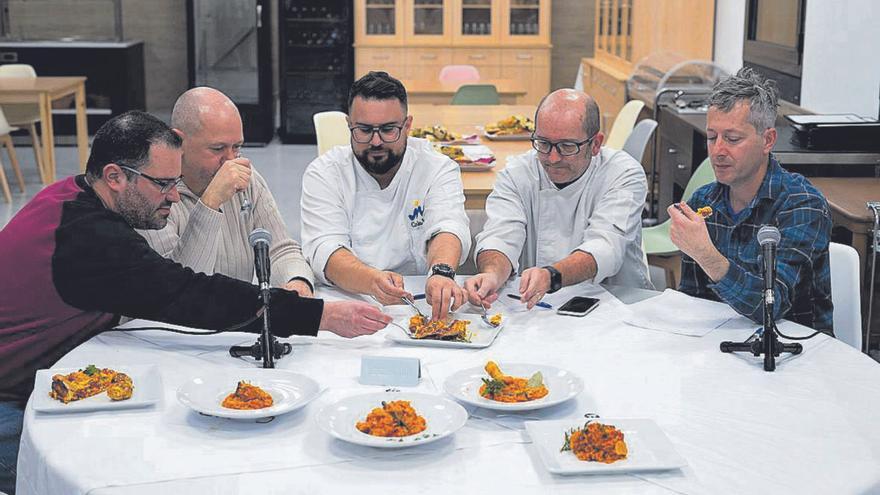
502, 388
596, 442
394, 419
91, 381
454, 330
247, 396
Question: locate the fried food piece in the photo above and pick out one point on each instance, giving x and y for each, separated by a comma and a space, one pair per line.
596, 442
495, 319
454, 152
705, 211
515, 124
121, 387
394, 419
503, 388
247, 396
456, 330
81, 384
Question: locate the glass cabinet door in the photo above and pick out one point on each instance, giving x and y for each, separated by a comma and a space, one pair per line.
526, 21
428, 21
379, 20
476, 21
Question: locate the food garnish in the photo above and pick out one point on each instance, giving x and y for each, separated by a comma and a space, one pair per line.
515, 124
455, 330
595, 442
394, 419
247, 396
502, 388
91, 381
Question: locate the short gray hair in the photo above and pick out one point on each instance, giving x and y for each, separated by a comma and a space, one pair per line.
748, 85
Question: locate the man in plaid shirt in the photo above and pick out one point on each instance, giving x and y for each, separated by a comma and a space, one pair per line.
720, 254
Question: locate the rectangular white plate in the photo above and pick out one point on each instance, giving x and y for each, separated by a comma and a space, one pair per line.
483, 334
147, 390
649, 449
523, 136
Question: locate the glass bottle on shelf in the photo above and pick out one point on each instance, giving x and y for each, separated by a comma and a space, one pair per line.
476, 17
428, 17
380, 15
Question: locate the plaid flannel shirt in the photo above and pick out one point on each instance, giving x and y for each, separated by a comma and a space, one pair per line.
803, 277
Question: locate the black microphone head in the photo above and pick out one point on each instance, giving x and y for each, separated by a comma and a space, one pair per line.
766, 234
258, 236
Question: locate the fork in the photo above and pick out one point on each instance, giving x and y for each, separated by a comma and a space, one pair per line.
485, 317
405, 330
412, 304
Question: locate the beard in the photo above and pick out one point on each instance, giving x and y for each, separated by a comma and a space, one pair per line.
380, 166
138, 212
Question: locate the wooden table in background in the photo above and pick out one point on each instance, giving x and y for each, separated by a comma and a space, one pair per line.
43, 91
847, 197
465, 120
422, 91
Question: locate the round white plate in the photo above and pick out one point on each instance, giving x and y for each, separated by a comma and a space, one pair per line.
561, 385
290, 391
443, 417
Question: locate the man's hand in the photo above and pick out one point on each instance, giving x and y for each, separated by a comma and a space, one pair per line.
534, 283
482, 289
689, 233
352, 318
300, 287
439, 291
387, 288
233, 176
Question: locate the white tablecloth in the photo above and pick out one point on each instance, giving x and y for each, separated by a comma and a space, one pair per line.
809, 427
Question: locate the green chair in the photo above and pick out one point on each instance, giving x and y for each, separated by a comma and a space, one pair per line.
476, 94
658, 247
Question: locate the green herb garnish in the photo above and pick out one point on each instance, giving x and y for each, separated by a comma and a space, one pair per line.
493, 387
91, 370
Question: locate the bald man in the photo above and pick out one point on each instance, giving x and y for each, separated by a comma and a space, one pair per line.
208, 229
565, 212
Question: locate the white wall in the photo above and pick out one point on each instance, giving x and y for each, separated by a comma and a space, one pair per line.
841, 72
730, 19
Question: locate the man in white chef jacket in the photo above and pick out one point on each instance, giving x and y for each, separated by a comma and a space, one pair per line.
386, 206
565, 212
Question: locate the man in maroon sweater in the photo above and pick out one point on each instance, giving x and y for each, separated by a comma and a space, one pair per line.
71, 263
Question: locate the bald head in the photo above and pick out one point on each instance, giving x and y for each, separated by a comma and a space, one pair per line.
196, 105
570, 105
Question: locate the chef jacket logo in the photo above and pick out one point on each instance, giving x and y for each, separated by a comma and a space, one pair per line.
417, 217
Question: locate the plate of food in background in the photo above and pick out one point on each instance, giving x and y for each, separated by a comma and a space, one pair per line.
440, 134
392, 419
513, 386
470, 158
94, 388
248, 393
603, 446
513, 128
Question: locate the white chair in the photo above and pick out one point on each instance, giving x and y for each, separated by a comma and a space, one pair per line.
845, 294
25, 114
638, 140
331, 129
6, 140
623, 124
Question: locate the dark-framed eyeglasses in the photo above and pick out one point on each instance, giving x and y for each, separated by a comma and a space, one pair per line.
388, 133
564, 148
165, 185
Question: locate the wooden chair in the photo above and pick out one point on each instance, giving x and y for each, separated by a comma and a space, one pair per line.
25, 115
6, 140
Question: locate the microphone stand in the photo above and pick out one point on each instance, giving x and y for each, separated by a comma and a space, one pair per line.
768, 342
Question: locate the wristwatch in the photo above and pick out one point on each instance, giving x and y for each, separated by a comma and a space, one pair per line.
443, 269
555, 279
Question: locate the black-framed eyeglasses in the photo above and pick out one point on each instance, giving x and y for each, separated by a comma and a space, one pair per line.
564, 148
388, 133
165, 185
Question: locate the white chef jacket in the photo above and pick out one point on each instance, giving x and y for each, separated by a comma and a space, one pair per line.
388, 229
534, 223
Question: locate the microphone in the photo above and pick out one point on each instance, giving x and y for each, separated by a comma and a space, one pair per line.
260, 239
768, 239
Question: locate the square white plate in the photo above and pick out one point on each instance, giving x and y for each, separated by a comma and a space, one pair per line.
649, 449
147, 390
483, 335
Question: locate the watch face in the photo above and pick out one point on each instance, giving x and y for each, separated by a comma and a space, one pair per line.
443, 269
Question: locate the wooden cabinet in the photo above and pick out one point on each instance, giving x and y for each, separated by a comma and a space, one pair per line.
415, 39
627, 31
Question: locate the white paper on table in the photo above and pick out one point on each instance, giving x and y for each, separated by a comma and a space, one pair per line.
676, 312
475, 152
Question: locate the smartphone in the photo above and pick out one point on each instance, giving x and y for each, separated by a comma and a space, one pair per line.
578, 306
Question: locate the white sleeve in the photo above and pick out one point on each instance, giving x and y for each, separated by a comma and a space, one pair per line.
197, 246
444, 208
326, 224
505, 229
616, 221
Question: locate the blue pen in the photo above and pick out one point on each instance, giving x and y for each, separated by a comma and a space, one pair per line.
541, 304
418, 296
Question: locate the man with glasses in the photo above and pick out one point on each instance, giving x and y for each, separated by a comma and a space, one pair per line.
568, 211
386, 206
223, 199
71, 262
